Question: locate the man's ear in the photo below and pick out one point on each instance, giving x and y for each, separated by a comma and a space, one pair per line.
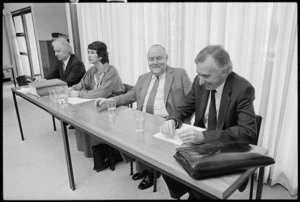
225, 70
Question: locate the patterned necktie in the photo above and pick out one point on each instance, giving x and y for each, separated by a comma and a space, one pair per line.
150, 103
212, 114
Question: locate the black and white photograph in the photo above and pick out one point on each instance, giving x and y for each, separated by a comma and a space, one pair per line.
149, 100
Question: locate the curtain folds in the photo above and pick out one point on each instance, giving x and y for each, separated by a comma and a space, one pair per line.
261, 39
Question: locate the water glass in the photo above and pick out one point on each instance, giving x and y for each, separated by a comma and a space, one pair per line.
52, 94
62, 94
139, 121
111, 107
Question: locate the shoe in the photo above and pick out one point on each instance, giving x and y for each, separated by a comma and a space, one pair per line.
138, 176
106, 165
71, 127
147, 182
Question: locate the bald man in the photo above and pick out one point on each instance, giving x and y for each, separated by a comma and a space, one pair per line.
173, 84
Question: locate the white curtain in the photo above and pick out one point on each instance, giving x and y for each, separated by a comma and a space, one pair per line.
261, 39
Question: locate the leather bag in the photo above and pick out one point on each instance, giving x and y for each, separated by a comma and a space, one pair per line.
217, 158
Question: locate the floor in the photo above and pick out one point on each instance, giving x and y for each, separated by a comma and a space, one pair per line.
35, 169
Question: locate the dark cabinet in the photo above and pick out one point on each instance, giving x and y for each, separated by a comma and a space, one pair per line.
49, 59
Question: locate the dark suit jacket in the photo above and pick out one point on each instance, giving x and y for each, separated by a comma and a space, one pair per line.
177, 86
74, 71
236, 119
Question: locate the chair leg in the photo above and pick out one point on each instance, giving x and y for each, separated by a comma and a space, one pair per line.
53, 120
155, 180
131, 167
251, 187
111, 159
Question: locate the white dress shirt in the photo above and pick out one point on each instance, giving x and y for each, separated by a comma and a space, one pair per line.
218, 95
66, 63
159, 103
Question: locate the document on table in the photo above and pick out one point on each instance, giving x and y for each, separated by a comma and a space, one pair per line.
76, 100
175, 139
25, 90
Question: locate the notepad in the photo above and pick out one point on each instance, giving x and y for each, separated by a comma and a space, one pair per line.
175, 139
76, 100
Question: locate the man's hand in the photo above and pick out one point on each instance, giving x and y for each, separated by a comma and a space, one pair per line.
190, 135
168, 128
100, 103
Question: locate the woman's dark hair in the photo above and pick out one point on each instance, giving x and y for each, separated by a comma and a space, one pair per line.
101, 49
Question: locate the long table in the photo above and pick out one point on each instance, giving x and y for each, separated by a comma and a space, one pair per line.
119, 132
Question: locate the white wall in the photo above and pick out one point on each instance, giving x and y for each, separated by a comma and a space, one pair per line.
48, 17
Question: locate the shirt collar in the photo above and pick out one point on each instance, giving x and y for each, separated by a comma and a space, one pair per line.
66, 61
219, 89
162, 76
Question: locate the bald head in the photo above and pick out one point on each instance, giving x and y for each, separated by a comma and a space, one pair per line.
157, 59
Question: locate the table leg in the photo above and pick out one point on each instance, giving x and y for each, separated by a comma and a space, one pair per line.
260, 183
13, 74
67, 153
18, 116
53, 120
155, 180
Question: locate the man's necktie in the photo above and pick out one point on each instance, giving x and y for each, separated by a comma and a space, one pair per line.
150, 103
63, 65
212, 114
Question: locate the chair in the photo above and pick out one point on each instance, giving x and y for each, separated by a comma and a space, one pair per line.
244, 185
258, 124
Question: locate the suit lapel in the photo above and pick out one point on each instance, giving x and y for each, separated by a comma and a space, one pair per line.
225, 101
66, 72
203, 99
168, 83
145, 89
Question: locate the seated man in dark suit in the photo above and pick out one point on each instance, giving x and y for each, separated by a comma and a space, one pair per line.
69, 68
223, 103
170, 85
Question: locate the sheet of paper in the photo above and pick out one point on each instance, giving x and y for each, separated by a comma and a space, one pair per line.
175, 139
76, 100
24, 90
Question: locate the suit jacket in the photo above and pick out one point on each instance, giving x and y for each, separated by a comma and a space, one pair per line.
236, 120
177, 86
74, 71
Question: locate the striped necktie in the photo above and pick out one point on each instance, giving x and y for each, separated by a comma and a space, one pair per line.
150, 103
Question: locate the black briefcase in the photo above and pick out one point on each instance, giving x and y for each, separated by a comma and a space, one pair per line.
217, 158
101, 157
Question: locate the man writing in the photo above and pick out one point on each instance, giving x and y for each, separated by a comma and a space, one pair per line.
222, 102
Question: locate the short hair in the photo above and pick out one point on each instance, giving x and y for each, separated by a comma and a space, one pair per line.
63, 43
101, 49
218, 53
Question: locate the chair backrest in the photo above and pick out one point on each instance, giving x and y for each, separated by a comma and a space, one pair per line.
127, 87
258, 124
